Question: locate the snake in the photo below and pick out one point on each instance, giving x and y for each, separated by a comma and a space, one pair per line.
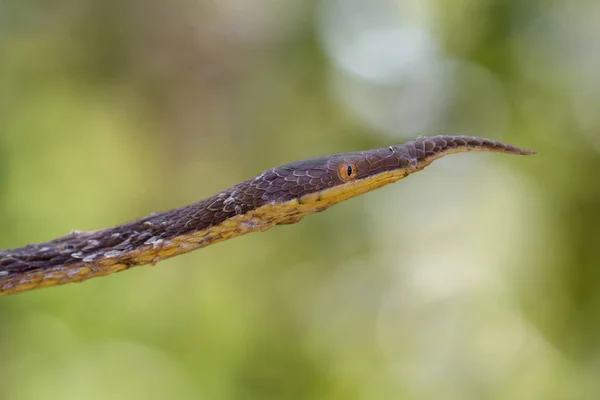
279, 196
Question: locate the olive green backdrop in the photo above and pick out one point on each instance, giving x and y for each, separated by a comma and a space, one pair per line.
478, 278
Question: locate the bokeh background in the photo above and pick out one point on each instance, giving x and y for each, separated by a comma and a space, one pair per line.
478, 278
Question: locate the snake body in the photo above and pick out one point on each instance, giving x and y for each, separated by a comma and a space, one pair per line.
281, 195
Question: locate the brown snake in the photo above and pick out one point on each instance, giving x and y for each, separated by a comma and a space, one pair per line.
281, 195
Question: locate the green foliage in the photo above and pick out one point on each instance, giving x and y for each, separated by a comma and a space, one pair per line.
478, 278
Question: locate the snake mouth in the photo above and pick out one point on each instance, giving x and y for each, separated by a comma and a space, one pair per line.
355, 188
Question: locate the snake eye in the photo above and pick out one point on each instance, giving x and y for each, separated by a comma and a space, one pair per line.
347, 171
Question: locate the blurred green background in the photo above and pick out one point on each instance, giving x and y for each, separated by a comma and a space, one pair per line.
478, 278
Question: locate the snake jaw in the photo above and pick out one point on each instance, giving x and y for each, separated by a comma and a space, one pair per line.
339, 193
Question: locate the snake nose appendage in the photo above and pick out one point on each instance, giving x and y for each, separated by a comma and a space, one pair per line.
428, 149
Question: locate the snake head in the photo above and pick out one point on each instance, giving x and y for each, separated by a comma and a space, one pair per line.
348, 175
325, 181
329, 180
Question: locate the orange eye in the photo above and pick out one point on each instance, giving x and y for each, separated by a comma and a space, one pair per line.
347, 171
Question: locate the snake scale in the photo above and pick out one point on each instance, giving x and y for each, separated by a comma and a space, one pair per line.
281, 195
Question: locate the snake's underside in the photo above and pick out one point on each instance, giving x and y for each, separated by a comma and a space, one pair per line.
281, 195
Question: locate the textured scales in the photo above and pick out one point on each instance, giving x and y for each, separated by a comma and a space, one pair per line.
282, 195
